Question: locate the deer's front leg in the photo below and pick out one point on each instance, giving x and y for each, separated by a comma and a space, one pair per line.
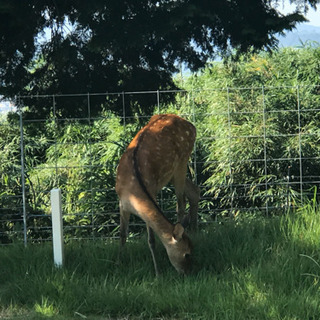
152, 246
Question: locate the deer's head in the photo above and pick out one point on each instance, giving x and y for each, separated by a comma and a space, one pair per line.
179, 250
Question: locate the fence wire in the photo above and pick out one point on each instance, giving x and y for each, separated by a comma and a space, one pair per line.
256, 151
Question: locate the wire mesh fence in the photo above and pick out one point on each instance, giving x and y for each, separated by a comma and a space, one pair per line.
257, 150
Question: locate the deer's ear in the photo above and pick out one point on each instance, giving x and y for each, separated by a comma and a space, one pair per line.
178, 231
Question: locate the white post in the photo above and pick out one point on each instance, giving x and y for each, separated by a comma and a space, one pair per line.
57, 227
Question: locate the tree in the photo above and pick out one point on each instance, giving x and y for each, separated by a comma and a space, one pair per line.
99, 46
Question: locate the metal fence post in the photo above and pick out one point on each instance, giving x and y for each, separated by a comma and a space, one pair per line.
195, 144
123, 109
158, 101
230, 159
23, 184
300, 143
264, 118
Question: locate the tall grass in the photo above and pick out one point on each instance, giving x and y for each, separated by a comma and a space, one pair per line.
250, 268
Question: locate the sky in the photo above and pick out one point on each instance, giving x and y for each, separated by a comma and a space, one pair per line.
312, 15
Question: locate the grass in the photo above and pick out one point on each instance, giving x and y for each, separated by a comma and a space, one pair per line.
253, 268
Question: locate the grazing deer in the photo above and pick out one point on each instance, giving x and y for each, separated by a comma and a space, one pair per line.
159, 154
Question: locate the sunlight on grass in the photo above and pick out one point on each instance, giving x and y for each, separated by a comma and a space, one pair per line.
46, 308
256, 294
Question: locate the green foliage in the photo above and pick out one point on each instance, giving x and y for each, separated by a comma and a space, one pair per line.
11, 211
80, 157
260, 116
10, 179
82, 162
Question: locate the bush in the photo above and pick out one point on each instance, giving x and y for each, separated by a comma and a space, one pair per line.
259, 128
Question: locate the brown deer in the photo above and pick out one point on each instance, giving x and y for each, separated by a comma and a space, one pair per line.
159, 154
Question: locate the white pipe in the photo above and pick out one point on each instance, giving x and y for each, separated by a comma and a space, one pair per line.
57, 227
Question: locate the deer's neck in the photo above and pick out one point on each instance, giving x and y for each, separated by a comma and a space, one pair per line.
154, 218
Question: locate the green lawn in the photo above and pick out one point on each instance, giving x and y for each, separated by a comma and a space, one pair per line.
253, 268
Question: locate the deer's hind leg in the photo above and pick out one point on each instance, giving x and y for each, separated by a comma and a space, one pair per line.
192, 193
179, 182
184, 188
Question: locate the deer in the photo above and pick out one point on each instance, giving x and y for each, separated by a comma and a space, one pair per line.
157, 155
